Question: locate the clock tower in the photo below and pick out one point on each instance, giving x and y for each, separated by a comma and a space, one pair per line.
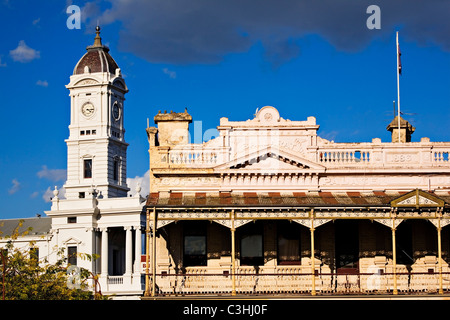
96, 147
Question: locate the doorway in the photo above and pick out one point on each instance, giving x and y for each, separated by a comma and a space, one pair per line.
347, 246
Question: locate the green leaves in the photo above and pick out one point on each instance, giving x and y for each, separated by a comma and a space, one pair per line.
23, 277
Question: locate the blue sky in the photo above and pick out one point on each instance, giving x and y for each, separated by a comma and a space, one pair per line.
218, 59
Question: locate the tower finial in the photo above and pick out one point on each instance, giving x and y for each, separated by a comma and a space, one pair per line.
97, 40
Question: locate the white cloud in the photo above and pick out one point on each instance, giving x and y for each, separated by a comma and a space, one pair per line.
171, 74
2, 64
144, 182
52, 174
35, 22
24, 53
42, 83
34, 194
15, 187
48, 194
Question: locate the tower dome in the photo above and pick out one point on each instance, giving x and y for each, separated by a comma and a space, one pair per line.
96, 59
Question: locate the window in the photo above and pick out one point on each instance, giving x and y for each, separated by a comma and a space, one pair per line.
116, 170
194, 244
87, 168
252, 252
288, 243
347, 246
194, 251
72, 255
81, 195
82, 132
34, 254
72, 220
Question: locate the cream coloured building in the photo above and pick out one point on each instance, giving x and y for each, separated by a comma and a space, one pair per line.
269, 206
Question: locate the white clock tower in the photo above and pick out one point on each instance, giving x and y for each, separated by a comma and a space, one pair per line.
96, 147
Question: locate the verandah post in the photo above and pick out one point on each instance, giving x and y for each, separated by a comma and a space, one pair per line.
394, 257
233, 255
313, 265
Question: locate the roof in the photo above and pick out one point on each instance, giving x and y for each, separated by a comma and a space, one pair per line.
39, 226
276, 199
403, 124
97, 58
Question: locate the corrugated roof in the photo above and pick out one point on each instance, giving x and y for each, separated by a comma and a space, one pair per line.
39, 226
273, 199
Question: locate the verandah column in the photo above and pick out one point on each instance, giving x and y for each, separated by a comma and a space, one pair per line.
394, 256
313, 265
104, 252
233, 256
128, 251
154, 253
439, 228
147, 255
138, 250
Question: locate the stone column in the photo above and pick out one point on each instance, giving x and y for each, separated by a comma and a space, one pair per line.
128, 251
104, 252
138, 252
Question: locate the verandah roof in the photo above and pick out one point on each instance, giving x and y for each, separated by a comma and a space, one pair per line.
277, 199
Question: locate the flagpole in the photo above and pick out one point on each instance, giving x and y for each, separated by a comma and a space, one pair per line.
398, 89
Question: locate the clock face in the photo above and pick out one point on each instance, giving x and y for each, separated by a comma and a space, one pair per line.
87, 109
116, 111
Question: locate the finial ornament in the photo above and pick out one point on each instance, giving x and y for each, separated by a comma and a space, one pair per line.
97, 40
56, 192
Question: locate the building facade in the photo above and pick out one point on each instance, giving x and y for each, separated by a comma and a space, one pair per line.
269, 206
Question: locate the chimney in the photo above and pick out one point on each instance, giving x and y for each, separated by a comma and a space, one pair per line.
406, 130
173, 128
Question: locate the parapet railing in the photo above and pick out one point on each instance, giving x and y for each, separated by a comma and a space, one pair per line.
331, 155
251, 283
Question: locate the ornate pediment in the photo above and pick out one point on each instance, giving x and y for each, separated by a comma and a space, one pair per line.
271, 159
85, 82
417, 198
120, 84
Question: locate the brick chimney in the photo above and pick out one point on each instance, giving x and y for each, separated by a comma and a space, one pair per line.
406, 130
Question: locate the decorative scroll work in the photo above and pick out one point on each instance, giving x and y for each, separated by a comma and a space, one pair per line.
86, 82
159, 223
162, 223
237, 223
307, 222
388, 222
444, 222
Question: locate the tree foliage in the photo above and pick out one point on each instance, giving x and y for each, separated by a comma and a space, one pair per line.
23, 277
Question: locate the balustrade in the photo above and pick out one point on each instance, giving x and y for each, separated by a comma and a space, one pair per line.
291, 280
335, 155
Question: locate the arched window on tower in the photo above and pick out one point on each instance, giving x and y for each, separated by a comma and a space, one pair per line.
116, 169
87, 168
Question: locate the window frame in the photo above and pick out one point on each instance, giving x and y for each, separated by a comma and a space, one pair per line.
86, 169
290, 232
196, 229
249, 231
72, 256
